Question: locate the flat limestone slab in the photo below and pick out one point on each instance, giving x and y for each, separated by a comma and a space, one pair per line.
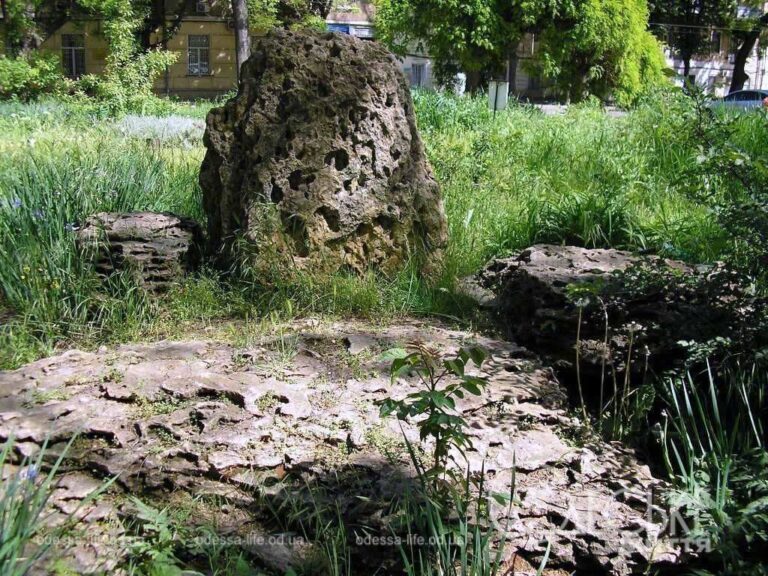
208, 418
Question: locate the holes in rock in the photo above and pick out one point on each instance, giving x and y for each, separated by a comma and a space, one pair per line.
277, 192
295, 179
362, 180
387, 171
390, 101
348, 185
323, 89
296, 230
331, 217
335, 51
395, 154
287, 84
384, 221
339, 158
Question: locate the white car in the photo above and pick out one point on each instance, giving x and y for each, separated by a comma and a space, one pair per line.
743, 99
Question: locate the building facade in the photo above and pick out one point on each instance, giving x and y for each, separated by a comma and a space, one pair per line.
202, 35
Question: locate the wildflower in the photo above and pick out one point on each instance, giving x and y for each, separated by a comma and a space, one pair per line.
633, 327
28, 474
38, 214
15, 203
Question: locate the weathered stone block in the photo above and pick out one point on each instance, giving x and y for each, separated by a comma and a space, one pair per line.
159, 247
317, 160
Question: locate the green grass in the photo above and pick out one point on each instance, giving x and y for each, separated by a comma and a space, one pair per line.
714, 448
522, 177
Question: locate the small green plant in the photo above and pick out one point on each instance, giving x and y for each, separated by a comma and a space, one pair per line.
25, 536
43, 396
153, 546
448, 517
434, 406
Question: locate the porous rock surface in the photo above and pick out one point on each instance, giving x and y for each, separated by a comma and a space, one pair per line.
160, 248
211, 420
529, 295
317, 160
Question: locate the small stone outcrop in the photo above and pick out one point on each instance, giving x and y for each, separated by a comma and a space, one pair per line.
160, 248
648, 307
317, 161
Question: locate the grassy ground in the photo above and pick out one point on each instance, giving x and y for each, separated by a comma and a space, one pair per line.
508, 181
521, 177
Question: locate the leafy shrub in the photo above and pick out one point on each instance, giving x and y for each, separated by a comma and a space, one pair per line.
732, 181
27, 78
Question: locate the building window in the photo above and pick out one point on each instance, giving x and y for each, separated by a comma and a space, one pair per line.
198, 50
73, 54
418, 74
716, 42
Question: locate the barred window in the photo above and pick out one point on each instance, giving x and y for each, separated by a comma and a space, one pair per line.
73, 54
198, 51
418, 74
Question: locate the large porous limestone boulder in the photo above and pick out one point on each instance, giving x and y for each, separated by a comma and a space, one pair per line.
317, 160
159, 248
622, 309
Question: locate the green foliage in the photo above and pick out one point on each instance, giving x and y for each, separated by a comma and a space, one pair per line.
434, 406
730, 177
606, 52
27, 78
462, 538
448, 521
295, 14
130, 72
153, 542
585, 46
476, 35
714, 447
687, 24
24, 495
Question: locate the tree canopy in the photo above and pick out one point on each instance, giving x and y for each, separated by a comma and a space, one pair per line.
583, 46
686, 25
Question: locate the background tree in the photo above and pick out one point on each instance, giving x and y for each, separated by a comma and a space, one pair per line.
242, 36
130, 69
686, 25
266, 14
27, 23
601, 47
746, 32
585, 46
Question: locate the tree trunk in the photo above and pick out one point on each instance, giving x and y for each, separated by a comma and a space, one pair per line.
31, 40
474, 80
512, 70
686, 68
739, 76
242, 40
4, 13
